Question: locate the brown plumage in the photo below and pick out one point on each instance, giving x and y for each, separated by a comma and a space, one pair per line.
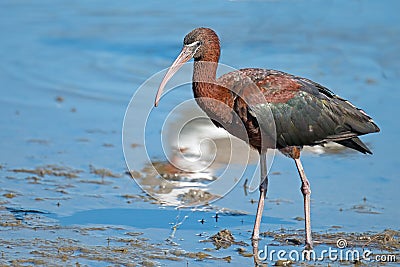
277, 110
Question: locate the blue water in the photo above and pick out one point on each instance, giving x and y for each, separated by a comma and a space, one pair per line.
96, 54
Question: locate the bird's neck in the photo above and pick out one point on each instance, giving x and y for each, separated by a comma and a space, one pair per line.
204, 78
212, 97
205, 83
205, 69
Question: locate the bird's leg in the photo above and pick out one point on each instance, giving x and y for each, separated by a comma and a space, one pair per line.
263, 192
306, 191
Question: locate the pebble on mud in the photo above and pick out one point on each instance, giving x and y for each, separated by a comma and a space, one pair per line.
283, 263
225, 239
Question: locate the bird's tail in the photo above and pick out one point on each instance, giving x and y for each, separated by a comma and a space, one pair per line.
355, 143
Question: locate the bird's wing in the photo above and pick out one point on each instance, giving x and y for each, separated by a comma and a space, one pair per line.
305, 113
354, 119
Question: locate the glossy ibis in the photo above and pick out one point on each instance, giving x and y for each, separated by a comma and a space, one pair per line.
304, 112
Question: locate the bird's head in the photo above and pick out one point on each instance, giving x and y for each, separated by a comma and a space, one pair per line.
202, 44
203, 41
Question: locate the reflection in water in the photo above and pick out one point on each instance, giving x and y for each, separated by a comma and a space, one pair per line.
197, 153
195, 144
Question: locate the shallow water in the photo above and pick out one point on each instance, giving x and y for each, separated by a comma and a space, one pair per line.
68, 70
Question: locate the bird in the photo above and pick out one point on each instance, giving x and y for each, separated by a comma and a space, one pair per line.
269, 109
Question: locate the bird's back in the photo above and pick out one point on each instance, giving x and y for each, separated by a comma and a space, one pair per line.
304, 112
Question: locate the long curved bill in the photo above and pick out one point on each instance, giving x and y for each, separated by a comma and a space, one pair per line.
186, 54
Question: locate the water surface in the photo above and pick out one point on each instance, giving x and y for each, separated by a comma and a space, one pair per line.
68, 70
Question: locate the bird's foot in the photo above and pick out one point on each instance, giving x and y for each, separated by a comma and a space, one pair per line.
308, 246
308, 251
254, 244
